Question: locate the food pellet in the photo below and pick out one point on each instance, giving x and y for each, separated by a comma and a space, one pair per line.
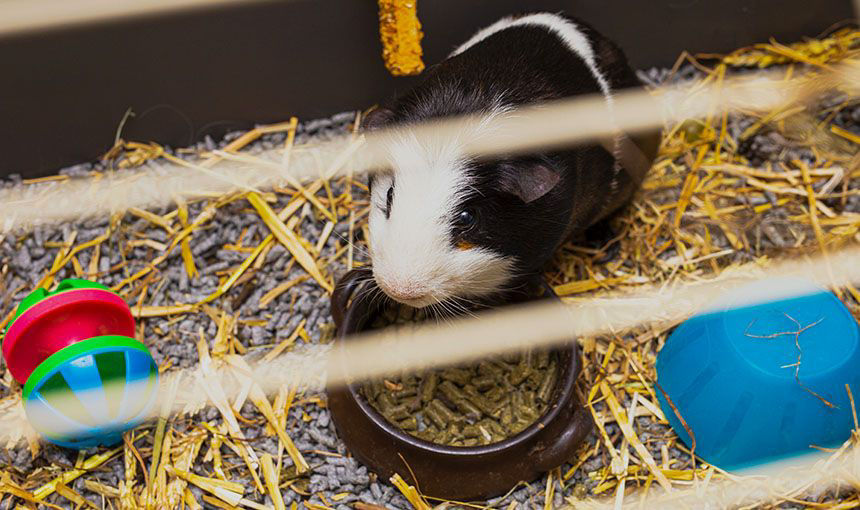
469, 405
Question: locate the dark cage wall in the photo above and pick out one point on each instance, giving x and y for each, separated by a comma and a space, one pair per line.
63, 92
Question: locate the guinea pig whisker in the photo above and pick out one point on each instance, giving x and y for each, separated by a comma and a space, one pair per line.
354, 245
431, 311
370, 291
464, 304
447, 305
454, 305
365, 283
514, 285
377, 296
441, 313
365, 291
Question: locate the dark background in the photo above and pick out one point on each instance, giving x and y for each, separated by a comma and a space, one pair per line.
63, 92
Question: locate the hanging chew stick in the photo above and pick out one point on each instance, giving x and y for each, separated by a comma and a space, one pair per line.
400, 33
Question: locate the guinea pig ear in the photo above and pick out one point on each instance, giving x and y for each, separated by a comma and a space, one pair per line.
376, 118
530, 181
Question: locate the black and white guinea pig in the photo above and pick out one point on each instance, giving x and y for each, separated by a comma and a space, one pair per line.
444, 228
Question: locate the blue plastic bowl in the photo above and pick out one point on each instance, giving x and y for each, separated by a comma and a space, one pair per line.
731, 375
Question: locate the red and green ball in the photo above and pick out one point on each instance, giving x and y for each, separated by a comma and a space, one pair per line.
86, 379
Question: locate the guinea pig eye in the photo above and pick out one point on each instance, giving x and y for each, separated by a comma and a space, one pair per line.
389, 197
465, 219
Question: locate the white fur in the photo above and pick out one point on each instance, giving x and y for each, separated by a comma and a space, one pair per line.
575, 40
413, 258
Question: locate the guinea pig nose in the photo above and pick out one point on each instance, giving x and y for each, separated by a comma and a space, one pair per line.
402, 291
410, 293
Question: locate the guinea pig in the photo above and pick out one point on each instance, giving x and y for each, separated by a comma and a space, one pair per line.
444, 228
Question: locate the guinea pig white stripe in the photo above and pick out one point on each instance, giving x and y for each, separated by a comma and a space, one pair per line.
414, 261
575, 40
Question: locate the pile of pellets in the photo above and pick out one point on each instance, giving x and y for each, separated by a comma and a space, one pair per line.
469, 405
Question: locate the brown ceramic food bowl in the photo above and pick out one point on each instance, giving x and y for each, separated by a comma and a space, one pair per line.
450, 472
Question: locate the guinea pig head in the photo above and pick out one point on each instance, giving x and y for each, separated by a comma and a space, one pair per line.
444, 228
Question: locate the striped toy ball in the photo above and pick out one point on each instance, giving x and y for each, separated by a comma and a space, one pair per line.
89, 393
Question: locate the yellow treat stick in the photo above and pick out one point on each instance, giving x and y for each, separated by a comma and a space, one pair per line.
400, 32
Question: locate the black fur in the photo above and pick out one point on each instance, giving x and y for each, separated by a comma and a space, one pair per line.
513, 67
